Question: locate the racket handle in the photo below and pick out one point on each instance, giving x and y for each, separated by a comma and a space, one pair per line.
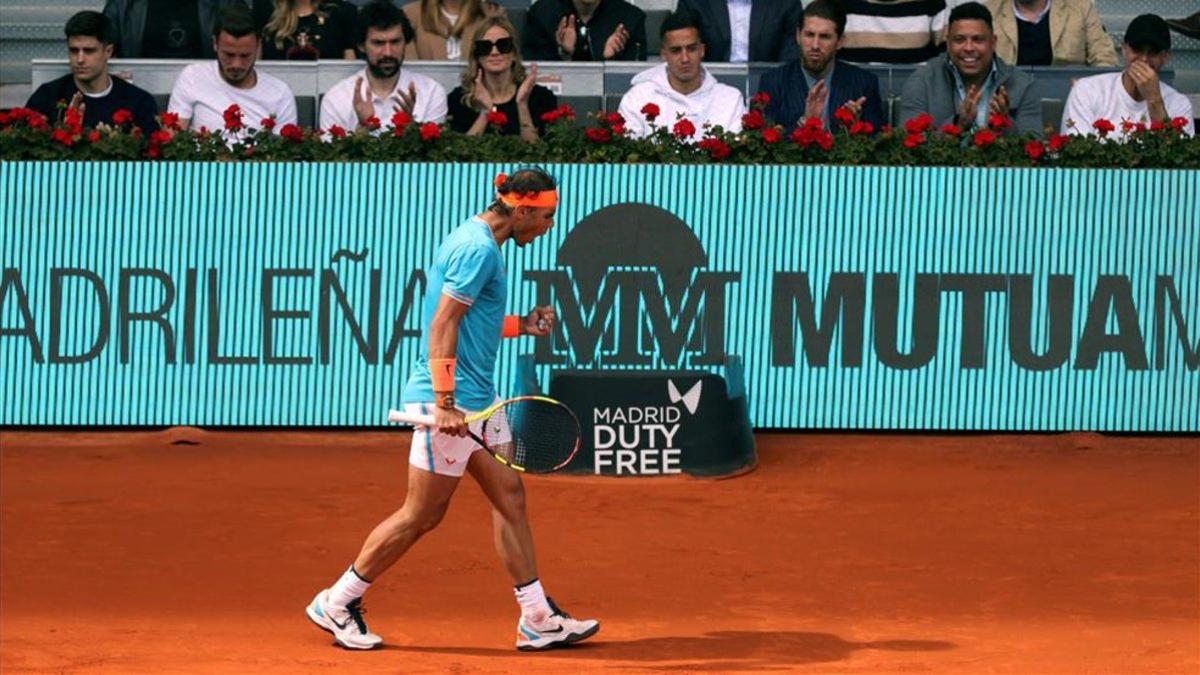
415, 419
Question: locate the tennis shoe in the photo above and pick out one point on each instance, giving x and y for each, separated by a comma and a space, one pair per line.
345, 623
556, 630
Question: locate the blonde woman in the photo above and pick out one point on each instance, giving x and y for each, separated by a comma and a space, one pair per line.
444, 27
306, 30
495, 81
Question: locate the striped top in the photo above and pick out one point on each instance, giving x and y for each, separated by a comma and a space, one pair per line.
894, 31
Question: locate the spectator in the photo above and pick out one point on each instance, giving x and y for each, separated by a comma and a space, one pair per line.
894, 31
204, 91
1051, 32
383, 88
88, 87
305, 30
163, 29
970, 83
746, 30
817, 83
496, 82
1134, 95
585, 30
681, 88
442, 25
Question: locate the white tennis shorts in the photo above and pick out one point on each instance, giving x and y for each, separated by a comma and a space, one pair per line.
448, 455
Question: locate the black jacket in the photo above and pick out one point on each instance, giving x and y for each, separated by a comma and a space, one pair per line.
541, 23
772, 28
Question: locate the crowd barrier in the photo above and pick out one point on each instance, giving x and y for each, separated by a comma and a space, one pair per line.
856, 297
587, 87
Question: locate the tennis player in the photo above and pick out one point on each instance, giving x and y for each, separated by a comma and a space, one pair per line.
465, 320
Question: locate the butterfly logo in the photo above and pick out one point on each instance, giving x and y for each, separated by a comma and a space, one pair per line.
691, 400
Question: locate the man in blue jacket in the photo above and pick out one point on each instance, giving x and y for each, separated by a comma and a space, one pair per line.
818, 83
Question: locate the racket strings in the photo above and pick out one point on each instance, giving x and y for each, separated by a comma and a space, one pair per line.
538, 436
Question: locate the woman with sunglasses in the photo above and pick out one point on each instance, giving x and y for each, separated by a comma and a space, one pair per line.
444, 27
496, 81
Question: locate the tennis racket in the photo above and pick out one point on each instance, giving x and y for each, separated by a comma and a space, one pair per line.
533, 434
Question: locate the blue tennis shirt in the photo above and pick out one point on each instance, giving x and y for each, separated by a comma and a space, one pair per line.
469, 268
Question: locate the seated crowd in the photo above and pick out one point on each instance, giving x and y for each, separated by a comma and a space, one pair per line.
969, 75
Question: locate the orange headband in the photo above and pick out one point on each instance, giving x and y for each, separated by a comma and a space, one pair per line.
545, 199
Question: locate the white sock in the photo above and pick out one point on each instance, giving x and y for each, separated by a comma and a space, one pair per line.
349, 587
533, 601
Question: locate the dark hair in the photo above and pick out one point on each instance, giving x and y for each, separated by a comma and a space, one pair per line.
382, 16
89, 24
825, 9
678, 21
234, 20
524, 179
971, 11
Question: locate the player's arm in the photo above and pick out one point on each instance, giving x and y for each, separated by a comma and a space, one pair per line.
443, 346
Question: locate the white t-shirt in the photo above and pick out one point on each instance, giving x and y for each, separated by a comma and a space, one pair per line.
202, 96
1104, 97
337, 106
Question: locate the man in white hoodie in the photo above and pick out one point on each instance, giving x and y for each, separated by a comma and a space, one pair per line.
681, 88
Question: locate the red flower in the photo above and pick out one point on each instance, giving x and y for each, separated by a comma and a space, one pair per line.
37, 121
984, 138
292, 133
73, 118
1034, 150
64, 137
862, 128
814, 124
771, 135
952, 130
1179, 123
551, 117
843, 115
400, 120
1057, 142
598, 134
760, 100
159, 137
566, 111
93, 136
614, 118
998, 122
753, 120
1157, 125
651, 111
153, 152
715, 147
268, 123
1103, 127
372, 123
1126, 126
912, 141
619, 129
5, 119
122, 116
233, 118
919, 124
684, 129
170, 120
825, 140
430, 131
337, 132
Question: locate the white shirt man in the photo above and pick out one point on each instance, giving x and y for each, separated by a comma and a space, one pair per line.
382, 88
204, 91
1134, 95
682, 88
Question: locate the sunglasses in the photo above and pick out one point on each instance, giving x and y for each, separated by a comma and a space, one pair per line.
484, 47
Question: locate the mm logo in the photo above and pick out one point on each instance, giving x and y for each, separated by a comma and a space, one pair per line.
629, 291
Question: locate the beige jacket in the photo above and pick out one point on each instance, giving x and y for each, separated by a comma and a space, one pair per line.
1077, 35
430, 46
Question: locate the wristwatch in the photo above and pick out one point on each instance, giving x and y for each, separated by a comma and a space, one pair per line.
445, 401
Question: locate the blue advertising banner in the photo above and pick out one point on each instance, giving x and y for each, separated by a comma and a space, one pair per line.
856, 297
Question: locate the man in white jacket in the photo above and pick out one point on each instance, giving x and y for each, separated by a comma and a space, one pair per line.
681, 88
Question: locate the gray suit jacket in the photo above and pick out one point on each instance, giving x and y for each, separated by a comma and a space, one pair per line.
931, 89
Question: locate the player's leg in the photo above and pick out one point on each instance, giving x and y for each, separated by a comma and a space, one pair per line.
542, 623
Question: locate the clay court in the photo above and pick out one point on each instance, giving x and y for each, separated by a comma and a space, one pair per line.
192, 551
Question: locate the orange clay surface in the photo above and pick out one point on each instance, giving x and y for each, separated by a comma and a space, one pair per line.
132, 553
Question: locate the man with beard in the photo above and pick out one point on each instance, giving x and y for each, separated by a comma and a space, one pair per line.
818, 83
88, 87
969, 83
1051, 32
204, 91
383, 88
682, 88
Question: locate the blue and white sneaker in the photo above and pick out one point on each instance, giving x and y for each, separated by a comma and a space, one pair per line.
556, 630
345, 623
